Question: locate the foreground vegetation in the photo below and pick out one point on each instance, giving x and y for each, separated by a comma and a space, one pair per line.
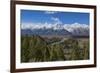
38, 49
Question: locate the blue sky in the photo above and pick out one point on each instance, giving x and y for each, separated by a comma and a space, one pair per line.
36, 16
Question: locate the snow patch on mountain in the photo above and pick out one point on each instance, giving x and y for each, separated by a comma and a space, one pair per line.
72, 27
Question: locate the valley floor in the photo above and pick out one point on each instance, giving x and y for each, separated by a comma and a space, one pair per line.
41, 49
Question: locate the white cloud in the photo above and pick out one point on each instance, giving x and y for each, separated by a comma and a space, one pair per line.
56, 20
50, 12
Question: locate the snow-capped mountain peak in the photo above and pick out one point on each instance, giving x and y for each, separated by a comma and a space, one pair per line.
74, 29
41, 26
69, 27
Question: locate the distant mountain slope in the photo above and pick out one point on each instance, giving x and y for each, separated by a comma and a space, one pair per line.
45, 32
75, 29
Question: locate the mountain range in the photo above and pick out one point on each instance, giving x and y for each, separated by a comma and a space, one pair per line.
75, 29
